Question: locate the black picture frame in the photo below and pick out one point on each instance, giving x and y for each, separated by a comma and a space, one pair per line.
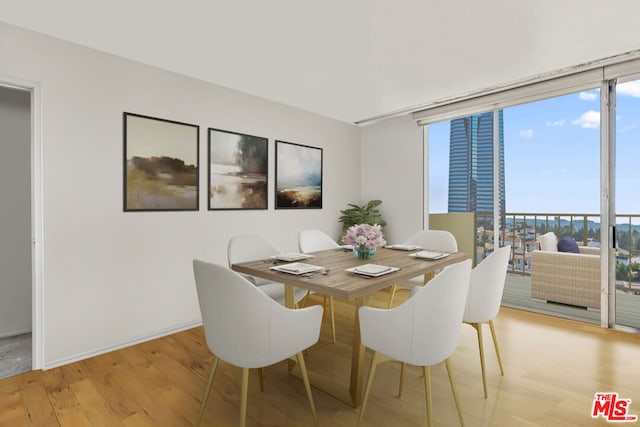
238, 175
161, 164
298, 176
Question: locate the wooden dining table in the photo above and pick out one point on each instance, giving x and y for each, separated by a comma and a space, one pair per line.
345, 285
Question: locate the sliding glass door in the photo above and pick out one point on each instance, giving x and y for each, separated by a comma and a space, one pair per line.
627, 217
570, 166
543, 177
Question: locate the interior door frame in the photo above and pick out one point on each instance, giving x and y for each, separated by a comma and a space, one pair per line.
37, 305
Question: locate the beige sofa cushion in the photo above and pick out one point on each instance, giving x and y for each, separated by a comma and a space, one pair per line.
549, 242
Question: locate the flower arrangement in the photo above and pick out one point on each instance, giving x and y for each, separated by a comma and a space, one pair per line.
364, 236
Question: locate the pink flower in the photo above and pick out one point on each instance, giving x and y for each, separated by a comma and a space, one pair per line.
368, 236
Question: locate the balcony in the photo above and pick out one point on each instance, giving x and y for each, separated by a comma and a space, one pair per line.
521, 232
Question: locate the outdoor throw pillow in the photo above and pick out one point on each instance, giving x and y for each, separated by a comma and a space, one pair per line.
549, 242
567, 244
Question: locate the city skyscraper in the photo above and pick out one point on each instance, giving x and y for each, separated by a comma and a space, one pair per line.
471, 164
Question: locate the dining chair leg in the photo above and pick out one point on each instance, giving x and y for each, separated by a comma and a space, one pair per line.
401, 379
244, 390
205, 398
454, 390
394, 289
333, 320
367, 390
495, 345
261, 378
478, 328
427, 392
307, 386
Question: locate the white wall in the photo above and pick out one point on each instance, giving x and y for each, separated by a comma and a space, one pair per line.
15, 218
392, 172
110, 277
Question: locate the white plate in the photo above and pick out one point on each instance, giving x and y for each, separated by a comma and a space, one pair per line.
404, 247
297, 268
294, 256
372, 270
345, 247
428, 255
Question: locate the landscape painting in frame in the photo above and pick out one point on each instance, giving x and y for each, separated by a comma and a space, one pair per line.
238, 168
160, 164
298, 176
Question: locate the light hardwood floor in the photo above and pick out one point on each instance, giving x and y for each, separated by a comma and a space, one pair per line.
553, 368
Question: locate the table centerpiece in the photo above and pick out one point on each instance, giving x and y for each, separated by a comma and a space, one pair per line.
364, 238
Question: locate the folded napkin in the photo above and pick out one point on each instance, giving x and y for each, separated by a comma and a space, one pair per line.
430, 255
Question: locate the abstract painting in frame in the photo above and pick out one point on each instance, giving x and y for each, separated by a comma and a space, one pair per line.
298, 176
161, 159
238, 170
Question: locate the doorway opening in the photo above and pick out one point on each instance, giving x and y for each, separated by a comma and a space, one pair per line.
20, 228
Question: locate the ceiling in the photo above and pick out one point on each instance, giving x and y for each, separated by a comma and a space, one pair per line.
350, 60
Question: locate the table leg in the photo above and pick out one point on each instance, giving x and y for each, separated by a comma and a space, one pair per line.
289, 302
289, 296
354, 395
427, 276
357, 356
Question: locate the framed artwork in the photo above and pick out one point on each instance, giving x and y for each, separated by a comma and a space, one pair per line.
161, 159
298, 176
238, 170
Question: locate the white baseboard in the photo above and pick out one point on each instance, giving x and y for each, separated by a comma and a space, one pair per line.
122, 344
14, 333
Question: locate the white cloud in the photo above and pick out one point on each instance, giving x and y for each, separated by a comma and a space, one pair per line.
526, 133
588, 96
629, 89
588, 120
555, 123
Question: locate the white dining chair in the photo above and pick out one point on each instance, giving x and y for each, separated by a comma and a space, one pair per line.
314, 241
434, 240
484, 298
251, 247
246, 328
423, 331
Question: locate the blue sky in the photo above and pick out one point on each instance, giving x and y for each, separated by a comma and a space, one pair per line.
552, 155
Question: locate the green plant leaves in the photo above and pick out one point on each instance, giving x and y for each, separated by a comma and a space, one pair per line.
366, 214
